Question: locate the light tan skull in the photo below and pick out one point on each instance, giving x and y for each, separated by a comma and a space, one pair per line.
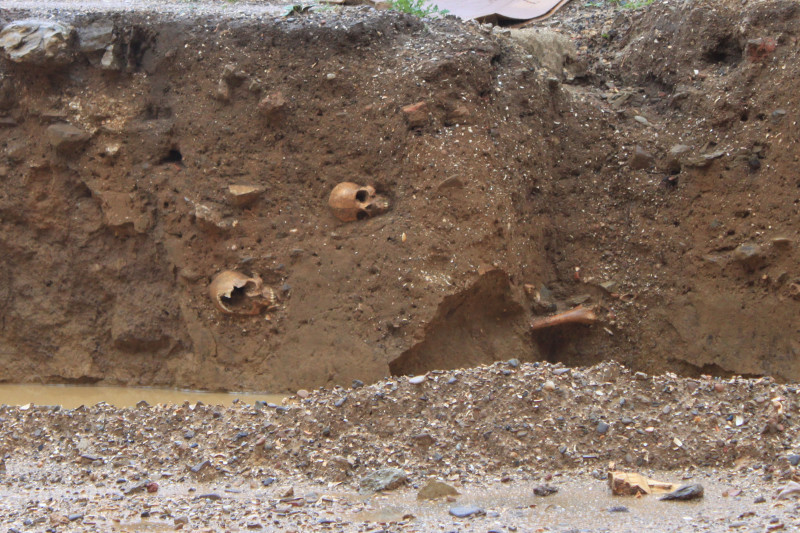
350, 201
233, 293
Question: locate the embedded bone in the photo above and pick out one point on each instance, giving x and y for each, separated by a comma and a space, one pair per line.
233, 293
578, 315
349, 201
244, 195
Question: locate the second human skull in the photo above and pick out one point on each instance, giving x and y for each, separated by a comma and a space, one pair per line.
350, 201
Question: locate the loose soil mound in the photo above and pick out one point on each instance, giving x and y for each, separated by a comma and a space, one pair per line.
117, 210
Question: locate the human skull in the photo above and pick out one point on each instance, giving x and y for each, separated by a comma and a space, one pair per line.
233, 293
350, 201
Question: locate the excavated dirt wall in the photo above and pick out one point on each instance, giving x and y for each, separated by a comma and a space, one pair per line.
511, 195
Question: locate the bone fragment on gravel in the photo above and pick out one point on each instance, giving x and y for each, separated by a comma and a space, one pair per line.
631, 484
578, 315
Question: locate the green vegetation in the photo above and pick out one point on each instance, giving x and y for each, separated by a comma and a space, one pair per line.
420, 8
633, 4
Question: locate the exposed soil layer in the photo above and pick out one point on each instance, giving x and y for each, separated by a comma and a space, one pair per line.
516, 188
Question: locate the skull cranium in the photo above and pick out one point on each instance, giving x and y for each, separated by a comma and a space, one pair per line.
350, 201
233, 293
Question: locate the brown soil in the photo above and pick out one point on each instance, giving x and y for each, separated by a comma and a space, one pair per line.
506, 177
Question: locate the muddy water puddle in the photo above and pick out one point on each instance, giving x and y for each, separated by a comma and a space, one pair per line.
71, 396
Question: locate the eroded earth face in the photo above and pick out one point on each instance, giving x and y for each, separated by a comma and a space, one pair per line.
643, 171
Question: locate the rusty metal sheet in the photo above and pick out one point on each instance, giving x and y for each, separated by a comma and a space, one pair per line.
510, 9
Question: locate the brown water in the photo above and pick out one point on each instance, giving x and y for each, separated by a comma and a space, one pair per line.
71, 396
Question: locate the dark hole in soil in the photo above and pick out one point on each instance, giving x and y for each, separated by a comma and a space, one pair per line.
173, 156
726, 51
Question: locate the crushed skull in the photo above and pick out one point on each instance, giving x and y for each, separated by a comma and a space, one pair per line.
233, 293
350, 201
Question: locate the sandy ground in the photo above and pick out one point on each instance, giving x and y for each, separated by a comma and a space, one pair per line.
494, 434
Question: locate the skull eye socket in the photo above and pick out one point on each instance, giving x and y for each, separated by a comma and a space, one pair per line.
236, 298
361, 215
361, 195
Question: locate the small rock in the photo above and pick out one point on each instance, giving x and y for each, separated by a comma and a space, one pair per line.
760, 499
383, 479
436, 489
222, 92
212, 496
544, 490
759, 49
180, 520
465, 511
357, 384
618, 509
641, 159
675, 156
685, 492
794, 459
749, 255
791, 489
416, 380
549, 386
302, 393
416, 114
602, 427
273, 107
37, 42
513, 363
244, 195
200, 466
75, 516
66, 137
642, 120
95, 37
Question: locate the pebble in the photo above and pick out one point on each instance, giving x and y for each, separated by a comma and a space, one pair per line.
416, 380
794, 459
513, 363
382, 479
465, 511
545, 490
641, 159
685, 492
436, 489
618, 509
602, 427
